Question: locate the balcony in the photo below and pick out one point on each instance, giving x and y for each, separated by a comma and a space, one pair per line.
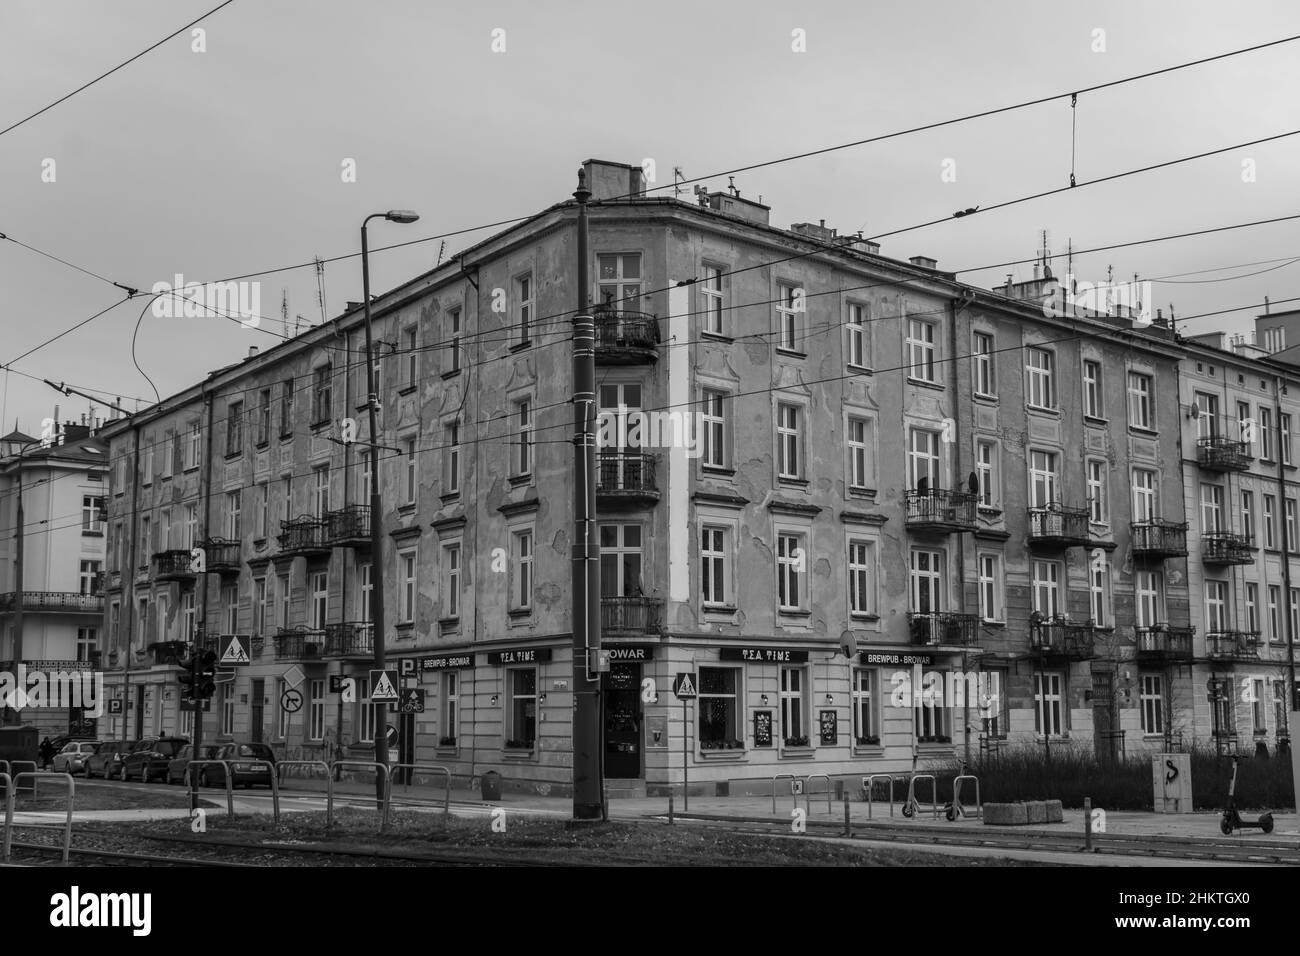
1062, 640
1232, 645
626, 477
353, 640
1217, 453
943, 627
173, 566
1055, 526
1158, 539
168, 653
630, 616
221, 555
1221, 548
298, 644
625, 338
348, 527
940, 511
1164, 644
304, 535
52, 602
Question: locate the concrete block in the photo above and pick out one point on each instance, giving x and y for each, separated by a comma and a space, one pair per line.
1036, 811
1005, 814
1054, 812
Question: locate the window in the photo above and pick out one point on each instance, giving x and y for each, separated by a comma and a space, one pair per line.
1257, 707
1224, 716
282, 718
1216, 606
450, 710
718, 708
234, 428
1040, 387
365, 712
923, 459
930, 710
793, 707
1047, 589
454, 332
165, 529
788, 441
87, 641
789, 308
1290, 542
920, 350
856, 328
1093, 398
114, 623
1047, 704
862, 587
1248, 515
230, 604
524, 420
1144, 495
1270, 526
320, 597
926, 574
521, 568
321, 495
146, 540
995, 709
1139, 401
1042, 478
411, 478
713, 419
1099, 592
1284, 423
1096, 469
451, 583
92, 514
323, 408
713, 566
1281, 708
1211, 508
409, 339
363, 482
233, 527
523, 707
987, 471
860, 447
286, 408
189, 616
264, 417
1207, 415
1252, 607
282, 589
142, 623
711, 299
1152, 700
263, 509
1274, 613
1246, 426
866, 695
227, 709
169, 455
365, 586
524, 308
620, 281
983, 352
1293, 600
259, 605
315, 709
193, 449
1149, 597
990, 587
453, 457
146, 476
791, 561
406, 582
1264, 432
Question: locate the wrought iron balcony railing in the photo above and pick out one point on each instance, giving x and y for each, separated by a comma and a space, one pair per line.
624, 338
1217, 453
627, 474
54, 602
173, 565
1164, 643
304, 535
350, 639
1219, 547
1158, 538
348, 527
630, 615
1056, 526
168, 653
1063, 639
940, 510
221, 555
1232, 645
942, 627
298, 644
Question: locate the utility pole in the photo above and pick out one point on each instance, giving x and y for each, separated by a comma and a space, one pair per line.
588, 785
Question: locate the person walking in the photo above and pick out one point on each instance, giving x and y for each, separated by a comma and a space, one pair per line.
47, 753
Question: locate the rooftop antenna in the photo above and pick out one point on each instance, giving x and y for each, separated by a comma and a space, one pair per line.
442, 247
731, 185
678, 178
320, 286
1069, 265
284, 312
1046, 256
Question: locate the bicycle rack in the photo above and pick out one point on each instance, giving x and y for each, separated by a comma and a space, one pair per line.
868, 784
955, 810
11, 788
911, 805
784, 776
382, 769
275, 785
225, 766
426, 768
13, 769
807, 791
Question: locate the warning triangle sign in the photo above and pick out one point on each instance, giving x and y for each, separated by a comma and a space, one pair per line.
383, 689
685, 686
234, 652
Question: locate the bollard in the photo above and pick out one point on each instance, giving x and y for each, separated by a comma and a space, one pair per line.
1087, 824
848, 832
670, 809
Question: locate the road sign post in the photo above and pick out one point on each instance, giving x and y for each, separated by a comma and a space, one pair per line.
685, 689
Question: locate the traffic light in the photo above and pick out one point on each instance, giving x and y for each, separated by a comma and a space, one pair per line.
187, 676
205, 684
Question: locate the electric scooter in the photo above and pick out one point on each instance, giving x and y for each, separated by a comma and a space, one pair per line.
1232, 819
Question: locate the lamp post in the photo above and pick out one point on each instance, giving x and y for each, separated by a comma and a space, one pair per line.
376, 536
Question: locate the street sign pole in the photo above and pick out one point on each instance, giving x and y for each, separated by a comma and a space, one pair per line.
686, 782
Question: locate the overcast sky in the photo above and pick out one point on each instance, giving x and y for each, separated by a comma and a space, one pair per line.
228, 161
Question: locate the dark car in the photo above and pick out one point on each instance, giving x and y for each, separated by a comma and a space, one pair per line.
251, 765
106, 759
150, 756
178, 765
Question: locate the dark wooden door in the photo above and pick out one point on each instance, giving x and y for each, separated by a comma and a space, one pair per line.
622, 696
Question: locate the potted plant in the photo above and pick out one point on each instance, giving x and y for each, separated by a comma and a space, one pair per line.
871, 740
451, 742
796, 741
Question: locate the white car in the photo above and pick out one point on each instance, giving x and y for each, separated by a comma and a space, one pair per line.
72, 758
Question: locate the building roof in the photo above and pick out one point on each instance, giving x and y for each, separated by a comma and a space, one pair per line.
18, 436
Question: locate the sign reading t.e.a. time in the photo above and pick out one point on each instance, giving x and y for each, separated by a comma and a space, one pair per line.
533, 655
764, 655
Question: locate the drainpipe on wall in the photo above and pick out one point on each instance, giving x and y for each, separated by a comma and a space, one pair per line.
954, 304
130, 588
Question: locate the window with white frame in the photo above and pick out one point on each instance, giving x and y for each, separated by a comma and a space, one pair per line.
521, 570
1151, 697
406, 586
524, 307
234, 430
259, 605
1264, 432
87, 641
233, 529
1290, 542
230, 604
315, 709
227, 709
189, 616
1216, 606
524, 437
860, 443
620, 559
711, 299
713, 421
862, 584
1042, 478
620, 281
1211, 508
146, 473
523, 707
92, 514
1274, 612
320, 596
719, 707
1270, 522
323, 406
88, 576
713, 566
1259, 723
1140, 388
923, 459
1096, 470
1284, 423
1246, 426
789, 441
982, 350
282, 590
1047, 588
191, 538
794, 704
789, 316
410, 337
988, 471
856, 335
410, 481
866, 701
791, 571
1293, 601
1099, 591
451, 579
990, 586
920, 350
931, 711
169, 455
1281, 708
194, 447
365, 584
321, 493
1093, 398
1149, 598
453, 457
1207, 415
1048, 701
1252, 607
286, 495
454, 332
264, 417
450, 708
1144, 495
1040, 380
365, 712
926, 579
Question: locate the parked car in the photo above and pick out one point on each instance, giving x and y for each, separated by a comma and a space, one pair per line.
106, 759
178, 765
150, 756
251, 765
72, 757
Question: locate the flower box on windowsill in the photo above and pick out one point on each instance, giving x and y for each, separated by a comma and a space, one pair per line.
872, 740
722, 749
519, 749
937, 740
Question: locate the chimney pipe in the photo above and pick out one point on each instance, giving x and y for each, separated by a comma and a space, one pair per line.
252, 351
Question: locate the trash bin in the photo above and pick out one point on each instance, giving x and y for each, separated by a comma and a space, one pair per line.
490, 785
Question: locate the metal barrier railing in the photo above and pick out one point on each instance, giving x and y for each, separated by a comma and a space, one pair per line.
807, 790
382, 769
9, 808
9, 811
329, 786
12, 770
955, 809
912, 805
425, 768
868, 786
784, 776
195, 781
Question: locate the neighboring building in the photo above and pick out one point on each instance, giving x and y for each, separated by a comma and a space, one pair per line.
1276, 332
897, 475
62, 482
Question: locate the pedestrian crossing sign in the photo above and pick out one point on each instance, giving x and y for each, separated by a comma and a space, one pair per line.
234, 650
684, 686
383, 687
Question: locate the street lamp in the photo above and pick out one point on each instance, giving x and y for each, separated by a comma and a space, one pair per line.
376, 537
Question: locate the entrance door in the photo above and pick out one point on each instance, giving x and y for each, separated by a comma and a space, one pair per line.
257, 699
1106, 738
139, 711
622, 697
